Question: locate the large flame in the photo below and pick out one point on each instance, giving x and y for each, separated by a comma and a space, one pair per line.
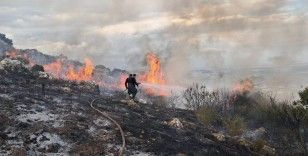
153, 79
58, 70
154, 76
83, 74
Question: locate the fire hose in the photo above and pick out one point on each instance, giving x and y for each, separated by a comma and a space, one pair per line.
115, 122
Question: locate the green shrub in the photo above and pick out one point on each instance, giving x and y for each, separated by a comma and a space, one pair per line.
293, 117
304, 96
235, 125
208, 116
37, 68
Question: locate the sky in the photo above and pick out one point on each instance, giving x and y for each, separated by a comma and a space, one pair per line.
186, 34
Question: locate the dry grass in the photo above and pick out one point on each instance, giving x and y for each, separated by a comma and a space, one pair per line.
235, 125
208, 116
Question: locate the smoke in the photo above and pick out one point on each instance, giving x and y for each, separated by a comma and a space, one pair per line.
187, 35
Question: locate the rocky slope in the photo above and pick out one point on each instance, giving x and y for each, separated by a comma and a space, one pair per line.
59, 120
63, 122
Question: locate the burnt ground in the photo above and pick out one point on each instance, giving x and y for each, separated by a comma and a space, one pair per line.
63, 122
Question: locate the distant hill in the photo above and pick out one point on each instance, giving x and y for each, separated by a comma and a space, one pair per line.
5, 43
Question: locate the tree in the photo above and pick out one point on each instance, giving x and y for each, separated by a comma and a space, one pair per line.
304, 96
37, 68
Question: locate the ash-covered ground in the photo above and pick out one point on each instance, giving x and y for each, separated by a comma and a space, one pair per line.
62, 121
43, 115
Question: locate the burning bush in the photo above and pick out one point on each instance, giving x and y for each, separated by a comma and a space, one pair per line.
243, 87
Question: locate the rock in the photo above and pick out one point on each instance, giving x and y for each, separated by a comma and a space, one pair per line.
219, 136
244, 142
53, 148
255, 134
131, 103
43, 75
266, 150
44, 138
66, 89
176, 123
142, 101
133, 140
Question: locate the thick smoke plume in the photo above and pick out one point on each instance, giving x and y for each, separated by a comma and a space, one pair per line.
217, 37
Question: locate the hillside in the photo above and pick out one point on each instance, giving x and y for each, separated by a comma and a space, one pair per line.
60, 120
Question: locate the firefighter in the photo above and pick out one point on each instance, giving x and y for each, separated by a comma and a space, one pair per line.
131, 84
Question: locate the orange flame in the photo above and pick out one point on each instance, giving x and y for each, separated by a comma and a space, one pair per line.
121, 82
243, 86
54, 68
83, 74
154, 75
14, 54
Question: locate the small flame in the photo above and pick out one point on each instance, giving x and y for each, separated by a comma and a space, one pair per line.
54, 68
15, 54
243, 86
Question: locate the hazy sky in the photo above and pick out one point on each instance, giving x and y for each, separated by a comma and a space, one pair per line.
186, 34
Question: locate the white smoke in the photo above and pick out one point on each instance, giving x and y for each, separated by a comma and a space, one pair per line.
221, 37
